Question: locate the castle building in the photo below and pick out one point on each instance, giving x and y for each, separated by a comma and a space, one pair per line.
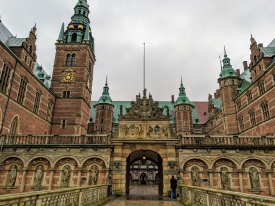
49, 125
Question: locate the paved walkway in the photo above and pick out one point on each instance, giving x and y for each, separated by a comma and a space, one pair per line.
143, 195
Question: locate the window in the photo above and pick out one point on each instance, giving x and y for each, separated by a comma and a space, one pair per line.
26, 58
225, 83
239, 105
30, 63
252, 117
74, 37
261, 87
102, 120
30, 50
14, 125
37, 101
79, 11
265, 110
49, 110
260, 68
241, 123
249, 96
197, 131
73, 60
66, 94
255, 59
63, 123
4, 79
232, 82
68, 60
84, 13
22, 90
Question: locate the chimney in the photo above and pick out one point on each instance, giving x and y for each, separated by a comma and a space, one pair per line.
260, 45
238, 72
172, 99
245, 65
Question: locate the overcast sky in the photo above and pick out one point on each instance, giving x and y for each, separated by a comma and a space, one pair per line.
183, 38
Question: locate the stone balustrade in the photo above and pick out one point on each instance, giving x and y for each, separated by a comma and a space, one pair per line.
53, 139
199, 196
231, 141
88, 196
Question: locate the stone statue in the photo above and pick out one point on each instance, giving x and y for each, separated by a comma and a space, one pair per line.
12, 176
224, 179
66, 176
94, 173
254, 179
195, 176
136, 176
38, 177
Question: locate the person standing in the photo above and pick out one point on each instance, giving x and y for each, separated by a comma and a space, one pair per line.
173, 186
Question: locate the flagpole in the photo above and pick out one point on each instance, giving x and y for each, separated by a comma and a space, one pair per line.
144, 68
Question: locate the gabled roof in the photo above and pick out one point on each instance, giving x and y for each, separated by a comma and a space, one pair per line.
268, 51
14, 42
5, 34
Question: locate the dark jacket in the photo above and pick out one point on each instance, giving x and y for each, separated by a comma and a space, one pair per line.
173, 183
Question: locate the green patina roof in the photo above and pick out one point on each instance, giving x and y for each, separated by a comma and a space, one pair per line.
217, 103
127, 104
268, 51
41, 74
182, 99
227, 70
105, 97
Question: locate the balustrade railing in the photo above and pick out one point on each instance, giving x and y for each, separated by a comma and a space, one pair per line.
90, 195
53, 139
243, 141
198, 196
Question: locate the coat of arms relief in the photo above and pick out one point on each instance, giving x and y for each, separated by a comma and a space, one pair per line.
145, 119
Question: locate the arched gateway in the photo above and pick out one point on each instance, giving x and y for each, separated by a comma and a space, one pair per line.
144, 131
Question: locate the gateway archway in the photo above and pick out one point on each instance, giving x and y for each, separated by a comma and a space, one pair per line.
144, 167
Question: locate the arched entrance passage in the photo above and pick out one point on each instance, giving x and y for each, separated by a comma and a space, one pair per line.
149, 155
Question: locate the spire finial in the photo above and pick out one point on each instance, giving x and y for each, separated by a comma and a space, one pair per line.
225, 52
106, 80
35, 25
61, 34
251, 36
181, 80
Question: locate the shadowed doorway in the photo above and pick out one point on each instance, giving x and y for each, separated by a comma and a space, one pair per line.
144, 173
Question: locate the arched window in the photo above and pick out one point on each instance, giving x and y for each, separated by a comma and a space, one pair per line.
74, 37
14, 125
265, 110
26, 58
79, 11
68, 60
84, 13
255, 59
73, 60
30, 50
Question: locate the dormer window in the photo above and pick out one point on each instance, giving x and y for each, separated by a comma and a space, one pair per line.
74, 37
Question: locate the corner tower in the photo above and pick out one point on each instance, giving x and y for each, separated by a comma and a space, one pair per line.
104, 113
73, 74
228, 82
183, 113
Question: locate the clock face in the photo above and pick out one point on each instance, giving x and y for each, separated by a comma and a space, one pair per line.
68, 76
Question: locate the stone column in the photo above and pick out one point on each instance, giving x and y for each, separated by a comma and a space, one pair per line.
22, 186
270, 183
79, 177
211, 178
241, 180
51, 179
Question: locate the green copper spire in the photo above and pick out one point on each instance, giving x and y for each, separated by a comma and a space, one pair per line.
87, 35
105, 97
227, 69
182, 99
61, 34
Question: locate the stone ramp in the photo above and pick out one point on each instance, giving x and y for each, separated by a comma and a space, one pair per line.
143, 201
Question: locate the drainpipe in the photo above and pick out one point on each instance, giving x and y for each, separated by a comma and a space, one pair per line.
4, 116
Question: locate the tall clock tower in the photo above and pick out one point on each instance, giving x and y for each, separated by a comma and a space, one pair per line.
73, 74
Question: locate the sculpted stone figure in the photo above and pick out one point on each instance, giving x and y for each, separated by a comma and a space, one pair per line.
38, 177
12, 176
94, 173
254, 178
66, 176
224, 179
195, 176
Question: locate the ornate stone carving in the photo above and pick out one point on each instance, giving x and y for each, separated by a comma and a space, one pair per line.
224, 178
94, 175
66, 173
12, 176
195, 176
144, 108
254, 179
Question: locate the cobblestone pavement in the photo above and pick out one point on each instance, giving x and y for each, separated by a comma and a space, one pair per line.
140, 195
